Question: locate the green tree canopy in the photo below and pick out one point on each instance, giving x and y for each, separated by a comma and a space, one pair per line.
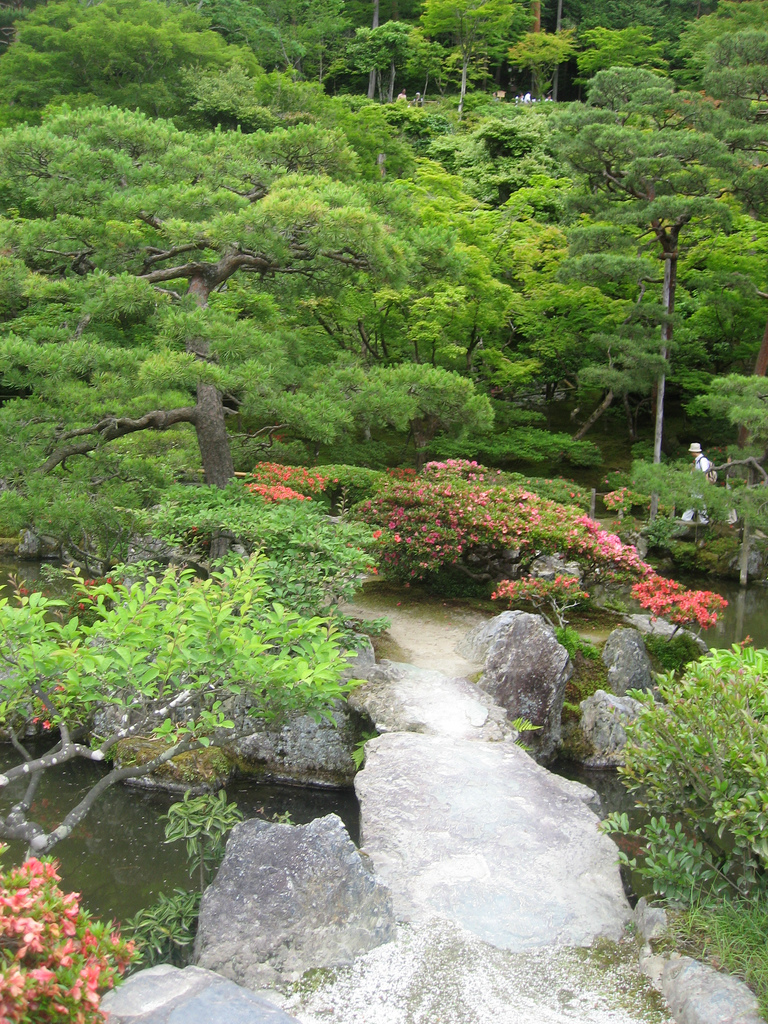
129, 52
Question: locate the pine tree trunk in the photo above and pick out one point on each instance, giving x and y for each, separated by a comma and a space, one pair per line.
210, 425
594, 417
391, 89
218, 468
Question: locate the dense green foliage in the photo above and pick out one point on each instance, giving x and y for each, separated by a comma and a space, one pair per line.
697, 763
164, 659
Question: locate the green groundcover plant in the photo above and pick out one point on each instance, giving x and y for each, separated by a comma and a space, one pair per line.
698, 764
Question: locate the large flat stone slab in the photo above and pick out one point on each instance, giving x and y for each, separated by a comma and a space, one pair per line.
405, 698
167, 995
480, 835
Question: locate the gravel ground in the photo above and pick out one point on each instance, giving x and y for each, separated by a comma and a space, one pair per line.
438, 974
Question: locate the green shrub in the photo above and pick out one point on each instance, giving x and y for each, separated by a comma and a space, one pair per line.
312, 562
698, 764
673, 653
572, 642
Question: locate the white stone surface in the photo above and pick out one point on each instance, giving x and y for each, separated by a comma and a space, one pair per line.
478, 834
439, 974
405, 698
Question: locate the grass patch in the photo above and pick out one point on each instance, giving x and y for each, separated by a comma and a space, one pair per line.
731, 936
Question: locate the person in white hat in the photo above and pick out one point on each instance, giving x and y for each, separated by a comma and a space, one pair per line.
700, 464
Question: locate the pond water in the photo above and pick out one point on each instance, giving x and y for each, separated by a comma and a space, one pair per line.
117, 857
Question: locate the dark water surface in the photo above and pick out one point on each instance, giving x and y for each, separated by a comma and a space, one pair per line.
117, 857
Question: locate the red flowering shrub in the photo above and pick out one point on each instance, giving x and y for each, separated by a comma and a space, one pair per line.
55, 961
307, 482
683, 607
398, 473
276, 492
559, 595
429, 524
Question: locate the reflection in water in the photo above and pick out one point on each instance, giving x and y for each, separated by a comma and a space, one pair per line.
746, 614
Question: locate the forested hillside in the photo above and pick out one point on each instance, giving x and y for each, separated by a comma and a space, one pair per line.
372, 233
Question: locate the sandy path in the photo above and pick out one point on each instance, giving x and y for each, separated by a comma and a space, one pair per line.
424, 631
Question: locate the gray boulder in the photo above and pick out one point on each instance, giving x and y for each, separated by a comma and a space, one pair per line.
301, 750
629, 667
477, 642
287, 899
526, 671
547, 567
698, 994
598, 739
30, 545
480, 835
167, 995
404, 698
652, 626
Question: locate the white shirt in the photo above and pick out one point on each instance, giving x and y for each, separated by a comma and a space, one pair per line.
702, 463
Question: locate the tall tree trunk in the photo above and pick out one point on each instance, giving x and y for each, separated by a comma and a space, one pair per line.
558, 26
372, 76
536, 15
218, 468
391, 87
463, 93
761, 365
668, 301
630, 419
210, 424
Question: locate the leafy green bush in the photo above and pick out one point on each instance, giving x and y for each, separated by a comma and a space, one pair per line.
556, 489
673, 653
573, 643
699, 767
520, 444
311, 561
166, 655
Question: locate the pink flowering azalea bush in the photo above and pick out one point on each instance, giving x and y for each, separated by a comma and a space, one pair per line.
622, 500
425, 526
559, 595
672, 600
461, 469
55, 960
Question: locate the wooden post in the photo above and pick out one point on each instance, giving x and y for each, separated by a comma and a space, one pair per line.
744, 555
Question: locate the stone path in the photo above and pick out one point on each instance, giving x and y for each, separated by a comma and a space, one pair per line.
497, 867
498, 874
